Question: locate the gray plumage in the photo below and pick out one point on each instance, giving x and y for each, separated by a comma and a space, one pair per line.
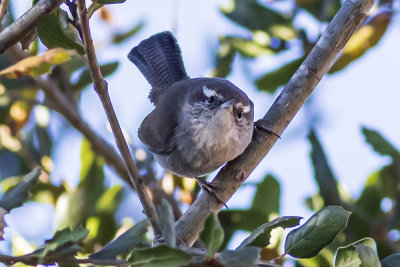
197, 124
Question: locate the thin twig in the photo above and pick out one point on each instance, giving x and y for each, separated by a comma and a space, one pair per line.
278, 117
62, 104
101, 88
19, 28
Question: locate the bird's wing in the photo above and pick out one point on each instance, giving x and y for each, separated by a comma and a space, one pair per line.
157, 129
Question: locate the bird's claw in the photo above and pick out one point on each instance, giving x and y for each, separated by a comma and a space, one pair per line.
210, 188
262, 124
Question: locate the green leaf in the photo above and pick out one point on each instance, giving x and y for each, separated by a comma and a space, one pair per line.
106, 2
254, 16
167, 223
19, 194
120, 37
247, 47
320, 230
85, 79
391, 261
233, 220
271, 81
55, 31
246, 256
364, 39
63, 239
223, 59
110, 200
261, 236
161, 256
92, 177
380, 144
125, 242
38, 65
44, 141
360, 253
322, 10
323, 173
266, 198
212, 234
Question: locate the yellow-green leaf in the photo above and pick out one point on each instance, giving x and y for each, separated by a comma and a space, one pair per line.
38, 65
362, 40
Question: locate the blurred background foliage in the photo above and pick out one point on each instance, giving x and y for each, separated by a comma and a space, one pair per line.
26, 141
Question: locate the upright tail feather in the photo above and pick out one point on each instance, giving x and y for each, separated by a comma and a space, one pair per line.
160, 61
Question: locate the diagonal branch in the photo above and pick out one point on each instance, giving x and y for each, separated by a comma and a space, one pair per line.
19, 28
294, 95
101, 88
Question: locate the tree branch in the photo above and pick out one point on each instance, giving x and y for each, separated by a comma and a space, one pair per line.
301, 85
19, 28
101, 88
34, 260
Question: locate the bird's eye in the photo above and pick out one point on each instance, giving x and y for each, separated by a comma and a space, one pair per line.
211, 99
240, 115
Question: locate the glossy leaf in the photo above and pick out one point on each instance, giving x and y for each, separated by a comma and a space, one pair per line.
360, 253
234, 220
64, 239
38, 65
246, 256
212, 234
391, 261
19, 194
167, 223
271, 81
260, 237
380, 144
55, 31
323, 173
161, 256
124, 243
365, 38
85, 79
266, 198
316, 233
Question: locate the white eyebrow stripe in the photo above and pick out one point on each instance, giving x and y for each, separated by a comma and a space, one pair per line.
208, 92
244, 108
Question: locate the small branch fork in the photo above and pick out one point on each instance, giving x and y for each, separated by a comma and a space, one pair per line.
101, 88
301, 85
19, 28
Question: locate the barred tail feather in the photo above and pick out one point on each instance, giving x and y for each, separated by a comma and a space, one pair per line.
160, 61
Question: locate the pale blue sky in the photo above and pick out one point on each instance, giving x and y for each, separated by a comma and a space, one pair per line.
365, 93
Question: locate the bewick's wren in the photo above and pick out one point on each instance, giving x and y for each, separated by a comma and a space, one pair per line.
197, 124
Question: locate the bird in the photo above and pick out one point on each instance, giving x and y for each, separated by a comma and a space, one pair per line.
198, 124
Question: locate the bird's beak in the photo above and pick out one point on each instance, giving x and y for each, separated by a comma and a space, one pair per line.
227, 104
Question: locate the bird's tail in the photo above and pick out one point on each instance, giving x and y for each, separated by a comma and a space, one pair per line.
160, 61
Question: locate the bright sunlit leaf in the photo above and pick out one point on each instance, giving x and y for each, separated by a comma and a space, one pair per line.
38, 65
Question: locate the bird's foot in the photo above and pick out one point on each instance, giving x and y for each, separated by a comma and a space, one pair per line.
209, 188
262, 124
